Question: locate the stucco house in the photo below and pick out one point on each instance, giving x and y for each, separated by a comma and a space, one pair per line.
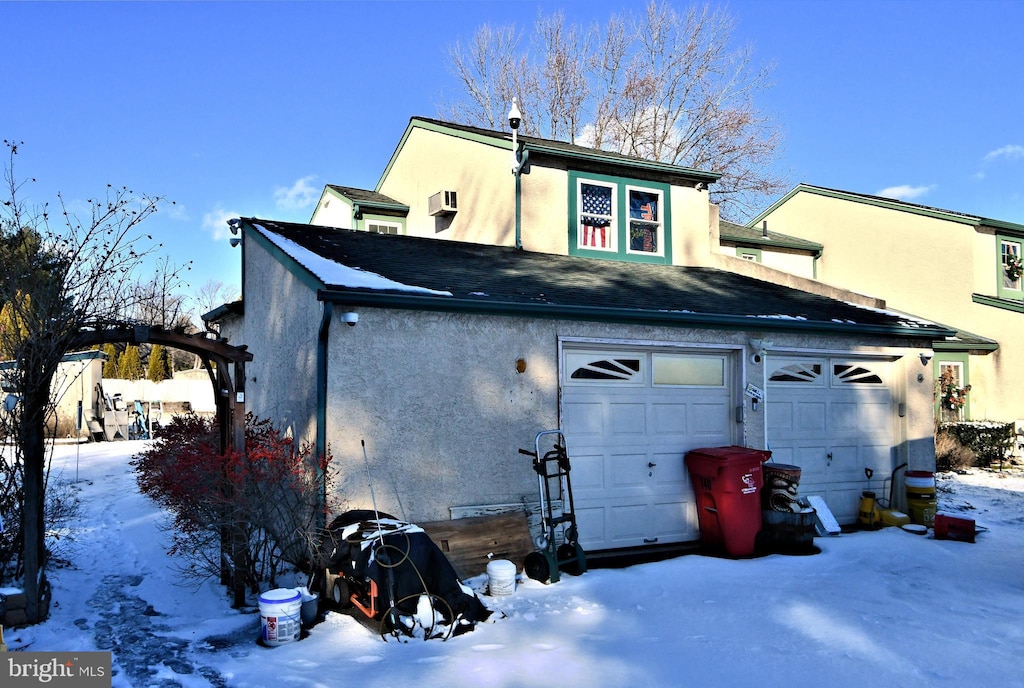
497, 308
948, 266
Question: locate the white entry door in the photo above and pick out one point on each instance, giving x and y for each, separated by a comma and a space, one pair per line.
629, 417
834, 418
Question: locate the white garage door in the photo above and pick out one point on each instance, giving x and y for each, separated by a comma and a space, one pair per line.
834, 418
629, 417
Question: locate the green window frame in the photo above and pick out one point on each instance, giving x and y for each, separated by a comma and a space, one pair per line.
1009, 249
619, 218
960, 363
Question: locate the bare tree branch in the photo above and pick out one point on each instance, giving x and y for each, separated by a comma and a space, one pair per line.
664, 85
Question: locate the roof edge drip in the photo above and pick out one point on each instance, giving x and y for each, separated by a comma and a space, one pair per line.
619, 315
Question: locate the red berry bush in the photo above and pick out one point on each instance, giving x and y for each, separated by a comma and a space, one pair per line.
257, 513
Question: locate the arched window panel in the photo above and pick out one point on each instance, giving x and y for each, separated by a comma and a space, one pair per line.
854, 374
605, 369
798, 372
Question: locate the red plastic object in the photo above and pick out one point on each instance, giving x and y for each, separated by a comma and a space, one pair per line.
727, 483
954, 528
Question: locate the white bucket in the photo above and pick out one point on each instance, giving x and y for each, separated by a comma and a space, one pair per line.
501, 578
279, 616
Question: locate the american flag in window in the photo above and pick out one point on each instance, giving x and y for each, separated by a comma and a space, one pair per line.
595, 216
644, 221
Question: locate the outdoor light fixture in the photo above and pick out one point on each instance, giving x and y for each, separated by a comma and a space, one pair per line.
925, 357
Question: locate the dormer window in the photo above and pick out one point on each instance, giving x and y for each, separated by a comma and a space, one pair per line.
612, 217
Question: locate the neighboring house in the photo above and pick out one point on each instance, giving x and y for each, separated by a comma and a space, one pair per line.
446, 349
946, 266
74, 391
778, 251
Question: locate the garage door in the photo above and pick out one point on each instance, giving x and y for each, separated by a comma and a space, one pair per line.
834, 418
629, 417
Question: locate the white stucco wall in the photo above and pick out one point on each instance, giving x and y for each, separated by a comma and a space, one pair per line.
280, 327
442, 410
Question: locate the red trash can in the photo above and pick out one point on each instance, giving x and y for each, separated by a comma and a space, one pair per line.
727, 483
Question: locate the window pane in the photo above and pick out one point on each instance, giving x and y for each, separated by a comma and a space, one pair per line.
643, 237
643, 205
706, 371
645, 220
1011, 264
596, 226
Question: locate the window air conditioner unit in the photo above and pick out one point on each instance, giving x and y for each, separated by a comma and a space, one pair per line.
443, 203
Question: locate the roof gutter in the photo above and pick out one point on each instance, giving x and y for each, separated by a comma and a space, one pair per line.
377, 299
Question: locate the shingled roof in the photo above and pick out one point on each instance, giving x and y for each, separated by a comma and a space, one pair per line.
455, 276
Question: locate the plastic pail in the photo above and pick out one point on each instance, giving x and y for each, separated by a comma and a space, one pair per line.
921, 497
310, 607
501, 577
279, 616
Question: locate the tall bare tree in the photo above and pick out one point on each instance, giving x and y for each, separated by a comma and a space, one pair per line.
663, 85
60, 272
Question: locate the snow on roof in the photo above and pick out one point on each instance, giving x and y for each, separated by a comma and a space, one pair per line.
336, 274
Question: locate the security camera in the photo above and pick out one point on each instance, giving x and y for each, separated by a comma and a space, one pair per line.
235, 241
515, 117
756, 358
350, 318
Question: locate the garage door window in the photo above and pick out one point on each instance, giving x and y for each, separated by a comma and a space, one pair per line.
807, 373
849, 374
588, 367
703, 371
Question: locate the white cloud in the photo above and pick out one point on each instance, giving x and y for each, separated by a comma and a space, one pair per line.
302, 194
1009, 152
216, 222
905, 192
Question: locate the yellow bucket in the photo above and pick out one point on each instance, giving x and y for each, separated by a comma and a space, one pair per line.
921, 497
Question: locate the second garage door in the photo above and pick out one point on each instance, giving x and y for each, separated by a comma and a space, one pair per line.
629, 417
833, 417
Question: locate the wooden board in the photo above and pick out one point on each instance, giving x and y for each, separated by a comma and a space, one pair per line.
470, 543
826, 522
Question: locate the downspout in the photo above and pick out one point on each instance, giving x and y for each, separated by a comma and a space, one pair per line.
322, 349
521, 156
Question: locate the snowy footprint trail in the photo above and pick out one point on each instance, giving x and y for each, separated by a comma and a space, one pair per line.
115, 588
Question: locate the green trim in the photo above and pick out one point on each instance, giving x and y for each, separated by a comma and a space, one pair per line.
1013, 228
747, 251
1001, 291
876, 201
299, 271
1007, 305
566, 152
483, 306
973, 347
622, 219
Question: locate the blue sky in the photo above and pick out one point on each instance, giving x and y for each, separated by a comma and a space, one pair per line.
249, 108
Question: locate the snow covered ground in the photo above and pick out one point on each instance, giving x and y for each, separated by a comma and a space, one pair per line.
885, 608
